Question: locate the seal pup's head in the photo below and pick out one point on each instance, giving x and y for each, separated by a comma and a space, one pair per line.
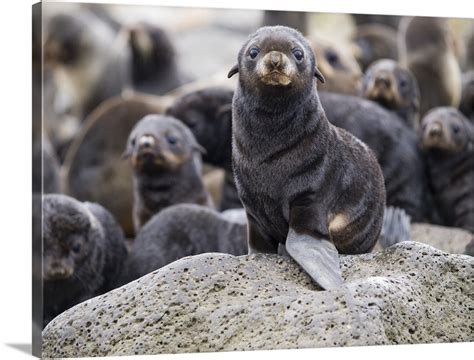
70, 231
392, 86
208, 114
447, 130
161, 143
276, 58
339, 66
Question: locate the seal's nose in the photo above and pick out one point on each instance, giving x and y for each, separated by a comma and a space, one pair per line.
435, 130
382, 80
146, 141
275, 58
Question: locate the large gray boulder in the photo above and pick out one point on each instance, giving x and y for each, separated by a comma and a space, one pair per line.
408, 293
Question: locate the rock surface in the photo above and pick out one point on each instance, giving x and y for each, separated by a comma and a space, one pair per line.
408, 293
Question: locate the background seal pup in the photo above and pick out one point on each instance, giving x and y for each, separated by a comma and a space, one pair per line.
373, 42
167, 165
153, 64
393, 87
394, 145
447, 138
208, 114
303, 182
93, 170
84, 251
427, 48
341, 70
183, 230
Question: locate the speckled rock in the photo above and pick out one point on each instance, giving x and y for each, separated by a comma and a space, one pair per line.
409, 293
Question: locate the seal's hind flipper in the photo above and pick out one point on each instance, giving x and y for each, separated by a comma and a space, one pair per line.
318, 257
395, 227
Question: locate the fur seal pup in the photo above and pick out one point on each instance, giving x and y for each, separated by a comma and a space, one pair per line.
87, 64
183, 230
427, 49
93, 169
167, 166
84, 252
447, 138
208, 114
373, 42
303, 182
466, 105
394, 145
341, 70
395, 88
153, 67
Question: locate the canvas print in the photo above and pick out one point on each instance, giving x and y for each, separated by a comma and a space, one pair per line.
225, 180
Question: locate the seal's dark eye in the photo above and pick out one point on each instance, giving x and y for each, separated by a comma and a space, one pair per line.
456, 128
76, 248
403, 83
133, 142
332, 57
172, 140
254, 52
298, 54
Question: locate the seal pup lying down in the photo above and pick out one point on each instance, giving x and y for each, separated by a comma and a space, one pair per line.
303, 182
167, 166
183, 230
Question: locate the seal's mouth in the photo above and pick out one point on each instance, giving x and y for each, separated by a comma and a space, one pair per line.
434, 138
148, 158
276, 78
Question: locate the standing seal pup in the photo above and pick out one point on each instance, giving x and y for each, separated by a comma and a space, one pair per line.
395, 88
83, 253
167, 165
447, 138
303, 182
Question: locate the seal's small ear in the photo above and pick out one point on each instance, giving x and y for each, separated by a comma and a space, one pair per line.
233, 71
318, 74
126, 154
199, 148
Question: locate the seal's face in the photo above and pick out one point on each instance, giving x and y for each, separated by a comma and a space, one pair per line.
276, 57
159, 143
445, 129
64, 37
390, 85
340, 68
67, 231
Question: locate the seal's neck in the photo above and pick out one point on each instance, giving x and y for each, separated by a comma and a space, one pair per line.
273, 115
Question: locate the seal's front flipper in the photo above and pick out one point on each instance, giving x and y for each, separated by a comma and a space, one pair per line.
395, 227
318, 257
